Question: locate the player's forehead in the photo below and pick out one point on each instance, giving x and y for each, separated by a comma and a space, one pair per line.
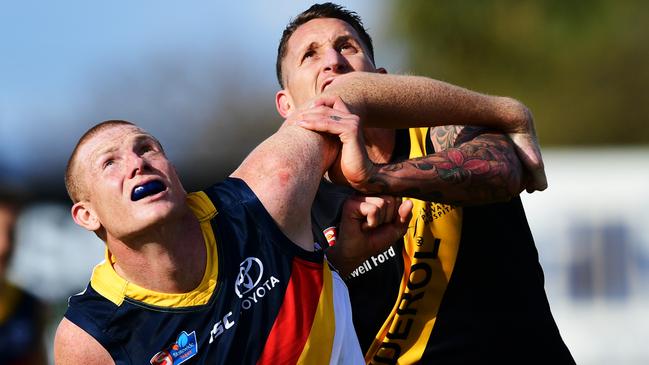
319, 31
113, 137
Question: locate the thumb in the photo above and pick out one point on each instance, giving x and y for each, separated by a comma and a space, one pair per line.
324, 100
339, 104
405, 211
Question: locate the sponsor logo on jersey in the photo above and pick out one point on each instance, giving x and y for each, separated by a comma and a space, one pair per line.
250, 272
330, 234
373, 261
251, 286
180, 351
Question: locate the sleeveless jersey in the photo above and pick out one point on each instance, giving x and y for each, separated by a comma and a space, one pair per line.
470, 286
262, 300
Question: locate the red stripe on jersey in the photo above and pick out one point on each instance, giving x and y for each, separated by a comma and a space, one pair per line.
293, 322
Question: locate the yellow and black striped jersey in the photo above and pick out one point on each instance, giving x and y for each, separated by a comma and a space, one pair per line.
463, 286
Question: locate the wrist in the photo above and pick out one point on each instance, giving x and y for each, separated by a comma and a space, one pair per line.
351, 88
342, 263
371, 183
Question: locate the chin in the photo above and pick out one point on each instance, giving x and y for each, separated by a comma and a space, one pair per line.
157, 213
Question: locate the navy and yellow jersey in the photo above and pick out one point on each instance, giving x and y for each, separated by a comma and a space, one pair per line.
262, 299
20, 325
463, 286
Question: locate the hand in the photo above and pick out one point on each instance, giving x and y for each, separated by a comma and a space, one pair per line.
523, 135
368, 225
354, 167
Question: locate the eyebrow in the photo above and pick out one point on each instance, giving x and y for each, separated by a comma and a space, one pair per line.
337, 41
137, 139
309, 47
343, 39
102, 151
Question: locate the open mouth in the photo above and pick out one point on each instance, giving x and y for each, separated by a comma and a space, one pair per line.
147, 189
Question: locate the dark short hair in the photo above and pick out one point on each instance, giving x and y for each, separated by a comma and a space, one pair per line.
316, 11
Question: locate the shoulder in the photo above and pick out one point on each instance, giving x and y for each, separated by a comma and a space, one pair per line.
72, 345
231, 191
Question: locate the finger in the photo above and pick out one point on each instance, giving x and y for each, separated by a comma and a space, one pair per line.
385, 204
326, 100
340, 105
529, 153
346, 128
323, 125
389, 208
365, 209
534, 165
537, 180
405, 211
325, 112
374, 215
538, 183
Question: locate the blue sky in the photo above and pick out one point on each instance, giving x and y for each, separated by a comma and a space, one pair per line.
59, 59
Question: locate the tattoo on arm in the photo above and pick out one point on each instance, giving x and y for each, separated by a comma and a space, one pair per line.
466, 169
444, 137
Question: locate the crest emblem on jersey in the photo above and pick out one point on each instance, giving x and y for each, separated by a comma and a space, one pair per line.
182, 350
330, 235
250, 273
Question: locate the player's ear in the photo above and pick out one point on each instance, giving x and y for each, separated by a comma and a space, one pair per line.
85, 216
284, 103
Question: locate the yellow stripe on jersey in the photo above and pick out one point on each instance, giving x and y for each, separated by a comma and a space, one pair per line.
430, 249
115, 288
317, 349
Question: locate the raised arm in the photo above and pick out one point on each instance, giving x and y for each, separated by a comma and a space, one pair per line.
398, 101
284, 172
469, 166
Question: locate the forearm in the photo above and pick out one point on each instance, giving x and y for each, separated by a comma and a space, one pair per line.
398, 101
484, 170
284, 172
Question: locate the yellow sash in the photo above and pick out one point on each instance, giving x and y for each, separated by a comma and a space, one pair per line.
430, 249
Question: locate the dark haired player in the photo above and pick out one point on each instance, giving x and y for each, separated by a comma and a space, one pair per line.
464, 285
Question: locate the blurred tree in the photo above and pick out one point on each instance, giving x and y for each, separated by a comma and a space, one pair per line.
582, 67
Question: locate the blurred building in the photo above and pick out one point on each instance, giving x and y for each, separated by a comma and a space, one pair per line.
592, 231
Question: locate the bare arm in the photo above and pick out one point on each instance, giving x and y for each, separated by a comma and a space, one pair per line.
73, 346
397, 101
284, 172
470, 166
401, 101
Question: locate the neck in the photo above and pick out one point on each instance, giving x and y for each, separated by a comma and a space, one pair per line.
170, 258
379, 143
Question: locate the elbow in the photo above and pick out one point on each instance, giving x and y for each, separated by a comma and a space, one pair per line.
518, 115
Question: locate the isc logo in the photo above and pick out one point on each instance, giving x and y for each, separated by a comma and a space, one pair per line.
221, 326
